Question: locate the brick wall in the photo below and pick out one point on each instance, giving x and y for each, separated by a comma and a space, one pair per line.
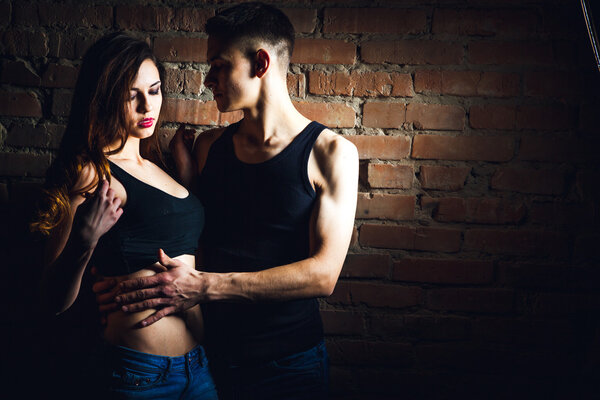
473, 269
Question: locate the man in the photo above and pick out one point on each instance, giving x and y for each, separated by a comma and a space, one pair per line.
280, 196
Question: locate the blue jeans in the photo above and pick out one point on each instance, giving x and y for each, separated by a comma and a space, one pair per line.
300, 376
130, 374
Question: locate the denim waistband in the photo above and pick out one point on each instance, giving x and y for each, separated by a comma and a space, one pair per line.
153, 361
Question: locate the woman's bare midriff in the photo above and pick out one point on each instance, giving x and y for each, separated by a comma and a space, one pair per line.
170, 336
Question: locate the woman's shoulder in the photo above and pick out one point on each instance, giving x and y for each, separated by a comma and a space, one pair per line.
87, 177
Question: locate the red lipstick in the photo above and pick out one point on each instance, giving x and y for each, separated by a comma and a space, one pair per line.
146, 123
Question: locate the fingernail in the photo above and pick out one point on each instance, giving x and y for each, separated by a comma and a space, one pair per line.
118, 299
124, 308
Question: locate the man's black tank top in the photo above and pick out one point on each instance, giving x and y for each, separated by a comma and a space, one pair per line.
257, 217
152, 219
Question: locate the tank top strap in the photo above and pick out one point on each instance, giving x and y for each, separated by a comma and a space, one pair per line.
307, 141
122, 176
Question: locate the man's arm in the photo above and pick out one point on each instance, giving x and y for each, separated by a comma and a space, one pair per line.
335, 168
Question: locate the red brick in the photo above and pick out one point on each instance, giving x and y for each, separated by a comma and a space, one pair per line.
337, 322
304, 20
143, 18
511, 53
180, 49
384, 115
62, 15
491, 116
323, 51
381, 146
20, 104
24, 164
366, 266
553, 84
443, 178
374, 20
190, 19
71, 45
390, 176
360, 84
385, 206
538, 181
196, 112
19, 73
543, 117
467, 148
354, 239
558, 149
182, 81
296, 84
484, 22
471, 300
60, 76
45, 136
435, 116
516, 242
61, 103
361, 352
437, 328
412, 52
334, 115
478, 210
467, 83
375, 294
25, 43
450, 271
400, 237
445, 209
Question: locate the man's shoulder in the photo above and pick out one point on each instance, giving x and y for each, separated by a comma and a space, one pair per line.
205, 139
333, 145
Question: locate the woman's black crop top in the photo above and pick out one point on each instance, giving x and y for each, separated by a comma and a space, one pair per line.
152, 219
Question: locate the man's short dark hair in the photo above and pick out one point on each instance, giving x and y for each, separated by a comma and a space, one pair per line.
246, 23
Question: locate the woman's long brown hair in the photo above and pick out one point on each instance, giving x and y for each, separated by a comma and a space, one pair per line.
98, 119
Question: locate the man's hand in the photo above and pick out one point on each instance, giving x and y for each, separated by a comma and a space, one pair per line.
97, 214
177, 289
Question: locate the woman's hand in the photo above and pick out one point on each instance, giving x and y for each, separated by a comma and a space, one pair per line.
181, 149
97, 214
183, 140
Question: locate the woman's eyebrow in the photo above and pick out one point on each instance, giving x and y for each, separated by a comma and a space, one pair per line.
154, 84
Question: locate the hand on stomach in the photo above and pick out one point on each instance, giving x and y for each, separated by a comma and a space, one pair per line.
168, 337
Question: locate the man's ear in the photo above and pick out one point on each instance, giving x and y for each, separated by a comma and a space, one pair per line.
262, 62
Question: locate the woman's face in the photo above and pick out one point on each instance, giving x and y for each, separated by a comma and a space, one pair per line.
145, 100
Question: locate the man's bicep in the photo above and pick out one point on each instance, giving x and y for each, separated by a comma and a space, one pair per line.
336, 205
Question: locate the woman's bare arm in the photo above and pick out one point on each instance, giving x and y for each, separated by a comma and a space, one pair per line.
72, 244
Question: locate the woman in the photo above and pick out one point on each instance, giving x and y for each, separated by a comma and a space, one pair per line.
133, 208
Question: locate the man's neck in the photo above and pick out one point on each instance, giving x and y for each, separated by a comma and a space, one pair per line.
274, 117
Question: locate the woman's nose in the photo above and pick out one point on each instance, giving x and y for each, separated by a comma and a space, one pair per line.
144, 106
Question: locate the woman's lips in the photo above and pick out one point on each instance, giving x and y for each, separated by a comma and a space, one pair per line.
146, 123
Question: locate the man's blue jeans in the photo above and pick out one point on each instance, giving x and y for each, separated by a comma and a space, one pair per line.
130, 374
303, 375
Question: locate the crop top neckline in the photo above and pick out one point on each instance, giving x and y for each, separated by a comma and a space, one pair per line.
113, 165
